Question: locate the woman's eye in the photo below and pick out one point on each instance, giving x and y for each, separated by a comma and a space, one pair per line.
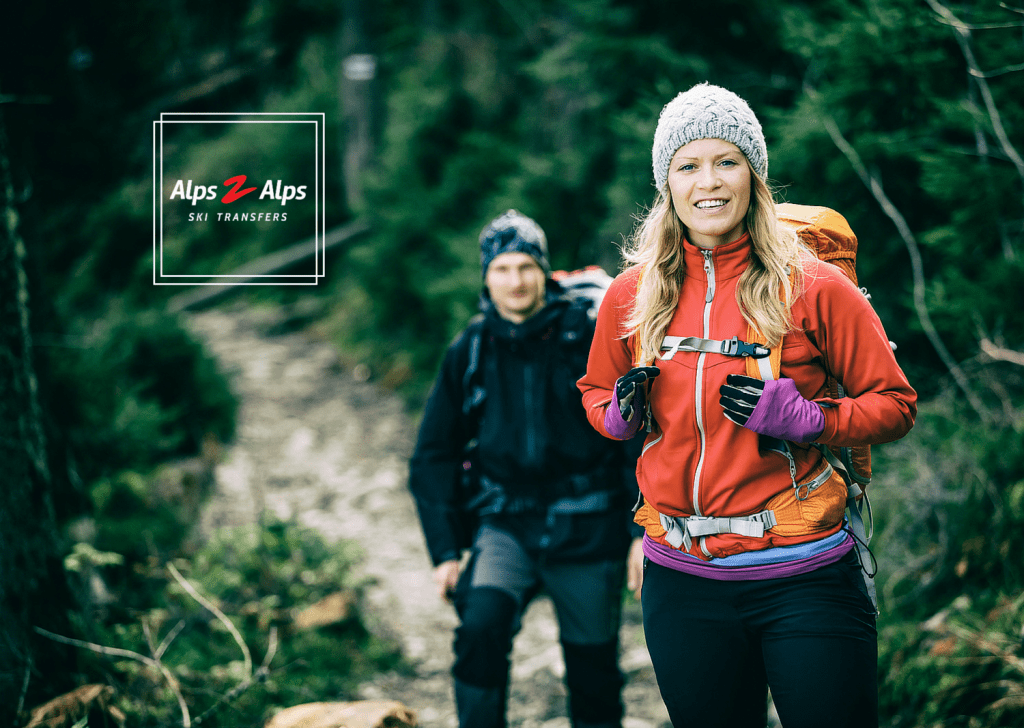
686, 167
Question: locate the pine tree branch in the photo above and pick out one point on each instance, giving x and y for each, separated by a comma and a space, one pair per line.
981, 26
1000, 71
172, 681
24, 686
910, 242
109, 651
194, 593
168, 639
963, 38
1001, 354
257, 677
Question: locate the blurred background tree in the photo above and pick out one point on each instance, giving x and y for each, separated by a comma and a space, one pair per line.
904, 115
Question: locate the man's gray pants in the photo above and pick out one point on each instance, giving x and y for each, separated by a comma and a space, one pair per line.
493, 594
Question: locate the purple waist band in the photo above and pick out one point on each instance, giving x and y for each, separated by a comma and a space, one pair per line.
672, 559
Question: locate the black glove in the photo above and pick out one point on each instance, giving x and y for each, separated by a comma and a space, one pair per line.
740, 396
629, 389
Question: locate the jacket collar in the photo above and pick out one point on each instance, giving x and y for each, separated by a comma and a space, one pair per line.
541, 322
729, 259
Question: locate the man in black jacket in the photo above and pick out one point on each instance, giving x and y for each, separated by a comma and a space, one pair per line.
507, 465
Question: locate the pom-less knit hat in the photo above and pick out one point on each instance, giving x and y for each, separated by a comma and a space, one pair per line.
513, 232
707, 112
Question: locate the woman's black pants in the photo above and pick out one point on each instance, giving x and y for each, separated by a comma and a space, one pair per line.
718, 646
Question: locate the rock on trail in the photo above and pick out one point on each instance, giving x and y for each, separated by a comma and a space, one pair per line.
317, 445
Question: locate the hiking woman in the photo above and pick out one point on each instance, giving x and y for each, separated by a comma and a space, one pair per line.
717, 342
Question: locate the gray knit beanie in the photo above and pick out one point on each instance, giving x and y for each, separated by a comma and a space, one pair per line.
707, 112
513, 232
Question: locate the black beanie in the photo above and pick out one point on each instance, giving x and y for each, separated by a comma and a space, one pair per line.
513, 232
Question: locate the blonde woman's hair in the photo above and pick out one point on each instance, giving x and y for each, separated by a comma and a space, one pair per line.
764, 291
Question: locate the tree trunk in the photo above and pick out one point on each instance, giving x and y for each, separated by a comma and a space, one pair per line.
358, 85
30, 574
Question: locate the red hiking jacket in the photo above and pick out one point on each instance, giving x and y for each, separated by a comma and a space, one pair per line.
697, 462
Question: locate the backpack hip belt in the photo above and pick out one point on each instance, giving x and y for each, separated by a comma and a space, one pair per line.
786, 515
681, 530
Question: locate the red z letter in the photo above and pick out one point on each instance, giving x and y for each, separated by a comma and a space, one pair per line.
234, 193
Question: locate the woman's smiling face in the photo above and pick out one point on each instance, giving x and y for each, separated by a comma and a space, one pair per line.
709, 180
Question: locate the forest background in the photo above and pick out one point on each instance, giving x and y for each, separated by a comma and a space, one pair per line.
907, 116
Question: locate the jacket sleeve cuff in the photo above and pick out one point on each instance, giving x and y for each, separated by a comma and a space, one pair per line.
828, 409
444, 556
616, 425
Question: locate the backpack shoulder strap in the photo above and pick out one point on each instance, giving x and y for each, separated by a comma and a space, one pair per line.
474, 393
767, 367
578, 322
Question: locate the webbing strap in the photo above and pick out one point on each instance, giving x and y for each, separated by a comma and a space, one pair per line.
861, 533
494, 499
860, 538
680, 531
804, 490
853, 490
590, 503
474, 395
728, 347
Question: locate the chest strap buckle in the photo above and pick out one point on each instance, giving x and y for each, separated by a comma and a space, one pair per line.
728, 347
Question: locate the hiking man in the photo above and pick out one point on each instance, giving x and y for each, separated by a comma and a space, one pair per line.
551, 496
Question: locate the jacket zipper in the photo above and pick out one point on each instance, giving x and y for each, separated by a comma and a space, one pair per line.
651, 444
709, 272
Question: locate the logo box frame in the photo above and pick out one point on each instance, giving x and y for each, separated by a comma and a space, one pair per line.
243, 277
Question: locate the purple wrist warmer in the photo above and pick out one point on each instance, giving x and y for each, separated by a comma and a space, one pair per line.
616, 425
783, 413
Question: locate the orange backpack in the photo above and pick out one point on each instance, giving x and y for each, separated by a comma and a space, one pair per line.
829, 236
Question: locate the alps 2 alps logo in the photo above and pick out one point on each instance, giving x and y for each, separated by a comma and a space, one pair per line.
234, 190
238, 200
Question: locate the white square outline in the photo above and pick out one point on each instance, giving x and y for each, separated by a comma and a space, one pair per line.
320, 179
246, 276
319, 199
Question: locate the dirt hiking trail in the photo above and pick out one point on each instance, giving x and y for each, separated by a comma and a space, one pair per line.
317, 445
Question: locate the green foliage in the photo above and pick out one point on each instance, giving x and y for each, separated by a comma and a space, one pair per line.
136, 390
143, 519
895, 81
260, 577
950, 514
947, 500
962, 667
948, 510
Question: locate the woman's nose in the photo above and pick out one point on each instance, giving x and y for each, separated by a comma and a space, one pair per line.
709, 178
